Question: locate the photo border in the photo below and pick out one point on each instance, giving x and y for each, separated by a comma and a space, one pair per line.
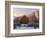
7, 20
25, 31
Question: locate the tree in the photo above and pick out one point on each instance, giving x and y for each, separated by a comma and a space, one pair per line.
33, 17
24, 20
16, 20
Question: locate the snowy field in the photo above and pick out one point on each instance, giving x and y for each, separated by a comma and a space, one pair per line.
26, 26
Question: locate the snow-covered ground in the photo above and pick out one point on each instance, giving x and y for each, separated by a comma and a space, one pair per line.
23, 28
26, 26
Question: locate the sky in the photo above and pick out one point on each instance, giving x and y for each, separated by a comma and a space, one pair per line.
23, 11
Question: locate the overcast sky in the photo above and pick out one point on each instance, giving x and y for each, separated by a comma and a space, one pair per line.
23, 11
